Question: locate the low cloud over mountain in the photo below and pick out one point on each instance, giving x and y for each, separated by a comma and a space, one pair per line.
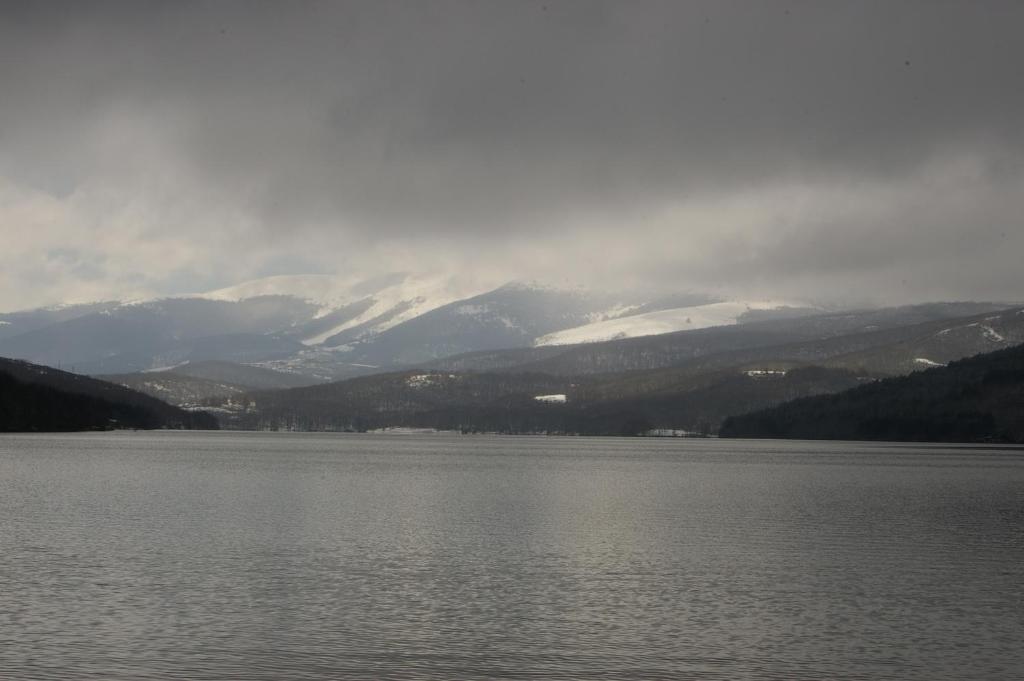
855, 152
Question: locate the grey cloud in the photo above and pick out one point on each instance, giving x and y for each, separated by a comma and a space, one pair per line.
490, 122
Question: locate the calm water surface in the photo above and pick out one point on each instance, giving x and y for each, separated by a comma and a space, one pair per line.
280, 556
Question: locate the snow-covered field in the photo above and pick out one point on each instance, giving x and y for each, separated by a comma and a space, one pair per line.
652, 323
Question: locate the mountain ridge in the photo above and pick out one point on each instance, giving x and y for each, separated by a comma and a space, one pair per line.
39, 398
345, 327
976, 399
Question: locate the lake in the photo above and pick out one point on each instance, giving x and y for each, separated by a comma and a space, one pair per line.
321, 556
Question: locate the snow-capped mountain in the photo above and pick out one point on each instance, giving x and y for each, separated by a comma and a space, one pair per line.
510, 316
330, 327
514, 315
360, 307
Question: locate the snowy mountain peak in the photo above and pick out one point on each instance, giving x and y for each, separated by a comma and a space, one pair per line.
322, 289
332, 291
535, 285
339, 325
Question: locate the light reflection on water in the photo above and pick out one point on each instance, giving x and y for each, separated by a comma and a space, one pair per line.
271, 556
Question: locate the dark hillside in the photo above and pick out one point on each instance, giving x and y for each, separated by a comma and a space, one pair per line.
978, 399
193, 383
38, 398
614, 405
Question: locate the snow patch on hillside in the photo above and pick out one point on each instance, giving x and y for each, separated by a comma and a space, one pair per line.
424, 380
992, 334
406, 295
471, 310
653, 323
407, 300
616, 311
156, 370
764, 373
987, 331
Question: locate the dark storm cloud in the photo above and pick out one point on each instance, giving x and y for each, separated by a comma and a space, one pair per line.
494, 121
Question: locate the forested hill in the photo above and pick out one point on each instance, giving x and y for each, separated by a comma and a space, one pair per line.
978, 399
623, 404
38, 398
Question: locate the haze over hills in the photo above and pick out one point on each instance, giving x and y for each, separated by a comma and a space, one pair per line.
328, 327
255, 352
685, 381
192, 383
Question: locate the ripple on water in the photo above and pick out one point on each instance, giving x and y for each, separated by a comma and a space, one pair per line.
269, 556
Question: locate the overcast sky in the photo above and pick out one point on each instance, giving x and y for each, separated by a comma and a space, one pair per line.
846, 151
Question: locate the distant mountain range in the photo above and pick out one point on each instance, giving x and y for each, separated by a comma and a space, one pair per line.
687, 381
329, 327
325, 353
886, 341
